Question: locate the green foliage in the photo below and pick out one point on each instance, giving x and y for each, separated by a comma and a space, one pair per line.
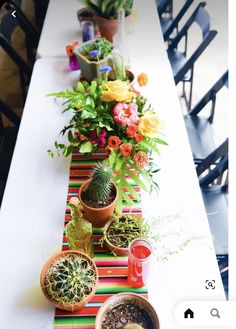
70, 279
133, 326
103, 45
125, 229
100, 186
108, 8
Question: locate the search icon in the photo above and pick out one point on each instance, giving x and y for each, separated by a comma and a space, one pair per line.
215, 312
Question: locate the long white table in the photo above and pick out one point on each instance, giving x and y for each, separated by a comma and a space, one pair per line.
61, 27
32, 213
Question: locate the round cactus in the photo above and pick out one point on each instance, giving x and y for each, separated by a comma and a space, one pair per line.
133, 326
70, 279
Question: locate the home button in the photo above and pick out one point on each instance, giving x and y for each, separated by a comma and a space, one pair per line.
188, 314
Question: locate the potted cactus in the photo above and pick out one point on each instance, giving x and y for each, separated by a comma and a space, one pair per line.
128, 311
69, 280
92, 56
98, 196
121, 230
106, 14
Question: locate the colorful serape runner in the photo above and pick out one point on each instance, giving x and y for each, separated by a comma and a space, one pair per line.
112, 270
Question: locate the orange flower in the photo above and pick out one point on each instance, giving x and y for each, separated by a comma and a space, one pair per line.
114, 141
108, 150
125, 150
70, 48
82, 137
131, 130
141, 159
138, 138
142, 79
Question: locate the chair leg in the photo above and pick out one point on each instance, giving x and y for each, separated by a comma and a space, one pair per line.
190, 92
23, 85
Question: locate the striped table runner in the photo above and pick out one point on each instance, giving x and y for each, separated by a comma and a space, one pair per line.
112, 270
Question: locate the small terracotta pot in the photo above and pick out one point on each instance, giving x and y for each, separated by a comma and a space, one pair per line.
126, 297
117, 250
48, 264
97, 216
109, 27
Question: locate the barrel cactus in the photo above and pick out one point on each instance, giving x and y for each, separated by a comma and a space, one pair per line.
133, 326
70, 279
100, 186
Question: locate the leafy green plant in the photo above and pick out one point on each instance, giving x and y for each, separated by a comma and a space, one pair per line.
97, 50
108, 8
70, 279
100, 186
124, 229
133, 326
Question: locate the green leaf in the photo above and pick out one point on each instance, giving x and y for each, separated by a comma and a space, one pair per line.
106, 125
119, 163
130, 189
67, 151
112, 158
88, 113
70, 136
136, 179
86, 147
93, 88
160, 141
81, 87
127, 198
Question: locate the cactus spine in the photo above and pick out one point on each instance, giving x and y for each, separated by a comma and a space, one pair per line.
100, 186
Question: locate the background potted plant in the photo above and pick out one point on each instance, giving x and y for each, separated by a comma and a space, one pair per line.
128, 311
98, 196
69, 280
92, 55
106, 14
121, 230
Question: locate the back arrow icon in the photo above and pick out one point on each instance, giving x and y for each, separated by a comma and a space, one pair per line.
13, 13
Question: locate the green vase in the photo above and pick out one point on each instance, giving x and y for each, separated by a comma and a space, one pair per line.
79, 231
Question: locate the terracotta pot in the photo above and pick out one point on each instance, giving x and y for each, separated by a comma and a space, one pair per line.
48, 264
109, 27
97, 216
125, 297
117, 250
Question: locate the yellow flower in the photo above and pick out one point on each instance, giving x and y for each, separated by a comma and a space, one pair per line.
149, 125
142, 79
117, 91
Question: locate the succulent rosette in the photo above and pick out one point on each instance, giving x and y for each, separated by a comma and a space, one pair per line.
115, 116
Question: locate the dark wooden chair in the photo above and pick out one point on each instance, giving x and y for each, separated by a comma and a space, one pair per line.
199, 126
182, 64
170, 25
213, 180
8, 135
165, 8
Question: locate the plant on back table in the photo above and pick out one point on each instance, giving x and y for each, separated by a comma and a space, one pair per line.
115, 116
109, 9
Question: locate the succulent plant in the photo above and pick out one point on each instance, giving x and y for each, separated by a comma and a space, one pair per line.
100, 186
109, 8
70, 279
133, 326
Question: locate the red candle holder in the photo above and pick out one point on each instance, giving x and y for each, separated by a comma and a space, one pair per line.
139, 262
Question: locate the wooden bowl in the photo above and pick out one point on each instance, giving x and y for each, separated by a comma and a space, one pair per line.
125, 297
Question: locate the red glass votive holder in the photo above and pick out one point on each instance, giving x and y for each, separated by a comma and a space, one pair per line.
139, 262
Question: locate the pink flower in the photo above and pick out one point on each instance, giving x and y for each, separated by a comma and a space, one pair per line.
125, 114
141, 159
99, 140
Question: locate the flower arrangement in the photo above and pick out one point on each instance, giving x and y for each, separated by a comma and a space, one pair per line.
114, 116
